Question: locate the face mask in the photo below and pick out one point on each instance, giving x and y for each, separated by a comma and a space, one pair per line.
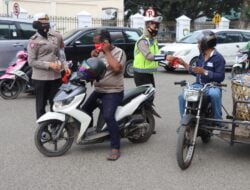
98, 46
43, 29
152, 32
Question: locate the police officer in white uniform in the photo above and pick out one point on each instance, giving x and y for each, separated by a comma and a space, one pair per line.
44, 58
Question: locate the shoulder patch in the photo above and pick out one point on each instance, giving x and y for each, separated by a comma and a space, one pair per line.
144, 41
32, 44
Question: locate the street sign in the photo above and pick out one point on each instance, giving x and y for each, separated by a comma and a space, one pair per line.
150, 12
16, 9
217, 18
7, 1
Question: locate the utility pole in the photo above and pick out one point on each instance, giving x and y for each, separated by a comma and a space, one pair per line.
7, 6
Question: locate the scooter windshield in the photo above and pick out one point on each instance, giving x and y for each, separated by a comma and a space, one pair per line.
67, 91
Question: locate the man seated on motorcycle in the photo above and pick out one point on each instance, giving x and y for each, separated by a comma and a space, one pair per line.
210, 68
110, 88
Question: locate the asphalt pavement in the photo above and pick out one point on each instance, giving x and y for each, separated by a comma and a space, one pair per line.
147, 166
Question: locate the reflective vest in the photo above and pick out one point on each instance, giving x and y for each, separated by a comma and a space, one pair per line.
141, 64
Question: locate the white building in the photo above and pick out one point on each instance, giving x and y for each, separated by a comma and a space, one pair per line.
68, 8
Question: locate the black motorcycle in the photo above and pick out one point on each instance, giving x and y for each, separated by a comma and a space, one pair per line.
193, 123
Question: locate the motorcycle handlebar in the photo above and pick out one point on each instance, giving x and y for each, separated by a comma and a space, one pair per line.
184, 83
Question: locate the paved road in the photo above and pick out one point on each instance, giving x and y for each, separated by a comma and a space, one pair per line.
147, 166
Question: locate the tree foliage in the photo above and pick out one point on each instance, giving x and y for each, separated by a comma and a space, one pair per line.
171, 9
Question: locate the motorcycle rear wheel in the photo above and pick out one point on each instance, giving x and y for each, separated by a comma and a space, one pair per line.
10, 89
44, 138
185, 149
151, 121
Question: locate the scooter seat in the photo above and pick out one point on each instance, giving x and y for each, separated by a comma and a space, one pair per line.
132, 93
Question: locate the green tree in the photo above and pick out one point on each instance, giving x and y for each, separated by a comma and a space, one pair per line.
171, 9
245, 14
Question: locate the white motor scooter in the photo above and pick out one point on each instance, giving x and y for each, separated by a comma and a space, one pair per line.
242, 63
57, 130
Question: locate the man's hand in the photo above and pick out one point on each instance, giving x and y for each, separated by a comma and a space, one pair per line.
56, 66
182, 62
68, 71
198, 70
94, 53
106, 47
170, 58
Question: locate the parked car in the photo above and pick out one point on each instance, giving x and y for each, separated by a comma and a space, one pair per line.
14, 36
228, 43
79, 44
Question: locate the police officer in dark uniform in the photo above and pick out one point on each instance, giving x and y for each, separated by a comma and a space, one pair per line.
44, 58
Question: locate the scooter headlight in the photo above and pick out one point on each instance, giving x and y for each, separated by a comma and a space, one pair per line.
58, 104
62, 103
191, 95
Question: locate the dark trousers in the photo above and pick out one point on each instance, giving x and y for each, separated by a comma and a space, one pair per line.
45, 90
144, 78
110, 102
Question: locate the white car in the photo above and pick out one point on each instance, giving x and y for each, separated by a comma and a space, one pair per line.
229, 41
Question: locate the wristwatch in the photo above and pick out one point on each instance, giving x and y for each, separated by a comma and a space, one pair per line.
206, 73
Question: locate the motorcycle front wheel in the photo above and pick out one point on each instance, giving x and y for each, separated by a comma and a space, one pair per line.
10, 89
46, 141
185, 149
150, 120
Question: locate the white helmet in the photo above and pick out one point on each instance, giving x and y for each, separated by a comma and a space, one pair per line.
153, 19
41, 17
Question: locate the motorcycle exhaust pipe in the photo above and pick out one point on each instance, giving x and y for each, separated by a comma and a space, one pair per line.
135, 119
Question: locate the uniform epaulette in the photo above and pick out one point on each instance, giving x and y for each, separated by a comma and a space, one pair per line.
34, 37
51, 33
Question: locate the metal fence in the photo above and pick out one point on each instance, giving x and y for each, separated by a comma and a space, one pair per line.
202, 25
167, 32
64, 24
240, 24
